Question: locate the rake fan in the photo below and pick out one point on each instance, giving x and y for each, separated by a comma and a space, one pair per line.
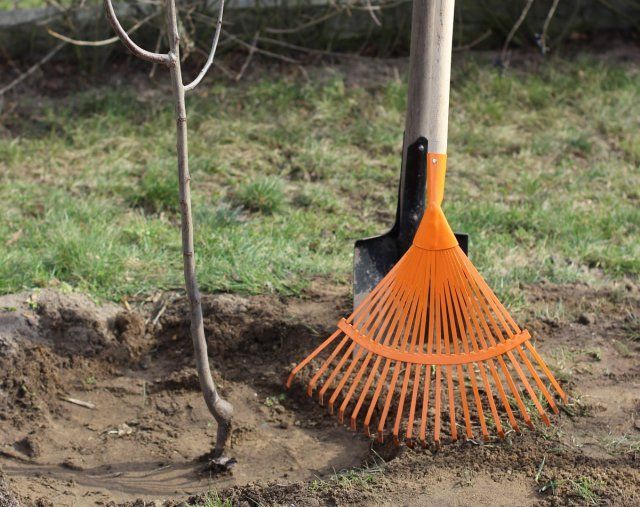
432, 333
429, 326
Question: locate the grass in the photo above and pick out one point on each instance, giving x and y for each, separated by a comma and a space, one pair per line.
212, 499
287, 173
353, 478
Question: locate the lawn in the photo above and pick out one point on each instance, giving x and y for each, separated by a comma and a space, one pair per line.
287, 172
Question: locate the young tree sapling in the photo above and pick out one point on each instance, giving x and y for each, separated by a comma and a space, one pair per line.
221, 409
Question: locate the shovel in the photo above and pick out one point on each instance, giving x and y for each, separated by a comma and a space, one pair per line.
375, 256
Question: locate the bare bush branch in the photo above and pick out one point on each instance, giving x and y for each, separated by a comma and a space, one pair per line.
543, 36
126, 40
212, 52
104, 42
474, 42
514, 29
304, 26
245, 65
32, 69
260, 50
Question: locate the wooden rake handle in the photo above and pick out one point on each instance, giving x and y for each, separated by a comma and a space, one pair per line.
430, 73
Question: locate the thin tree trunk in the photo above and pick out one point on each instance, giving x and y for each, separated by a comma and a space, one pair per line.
219, 408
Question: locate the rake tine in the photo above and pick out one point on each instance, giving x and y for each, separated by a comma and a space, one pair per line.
501, 311
418, 330
427, 374
376, 395
389, 280
376, 365
528, 388
354, 386
461, 311
448, 368
387, 404
492, 368
538, 381
519, 371
365, 390
403, 396
327, 383
438, 388
325, 365
311, 356
471, 304
515, 392
343, 381
399, 331
546, 371
421, 335
411, 330
454, 318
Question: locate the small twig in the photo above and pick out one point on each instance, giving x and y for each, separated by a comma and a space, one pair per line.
154, 67
540, 468
32, 69
543, 36
304, 26
370, 10
159, 314
474, 42
261, 51
85, 404
95, 43
212, 52
150, 474
514, 29
249, 57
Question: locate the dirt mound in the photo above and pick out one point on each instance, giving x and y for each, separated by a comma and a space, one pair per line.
149, 428
44, 333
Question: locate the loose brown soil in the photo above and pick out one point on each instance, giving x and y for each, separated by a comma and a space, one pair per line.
146, 437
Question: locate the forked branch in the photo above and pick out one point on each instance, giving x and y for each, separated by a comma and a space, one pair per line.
221, 409
160, 58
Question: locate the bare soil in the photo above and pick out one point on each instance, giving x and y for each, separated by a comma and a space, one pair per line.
147, 437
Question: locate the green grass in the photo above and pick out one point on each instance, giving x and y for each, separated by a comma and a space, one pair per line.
286, 174
212, 499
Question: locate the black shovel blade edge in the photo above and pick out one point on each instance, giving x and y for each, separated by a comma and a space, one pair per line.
375, 256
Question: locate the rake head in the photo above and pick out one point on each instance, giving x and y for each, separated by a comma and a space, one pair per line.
431, 335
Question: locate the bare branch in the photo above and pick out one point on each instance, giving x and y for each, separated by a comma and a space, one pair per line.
126, 40
370, 9
212, 53
249, 57
514, 29
154, 67
32, 69
474, 42
304, 26
103, 42
543, 36
261, 51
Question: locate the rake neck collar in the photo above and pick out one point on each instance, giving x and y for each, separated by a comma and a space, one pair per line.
434, 232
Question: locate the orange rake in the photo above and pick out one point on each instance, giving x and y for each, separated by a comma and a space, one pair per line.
431, 325
431, 334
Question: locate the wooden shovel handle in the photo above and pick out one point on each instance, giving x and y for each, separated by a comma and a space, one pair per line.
430, 73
